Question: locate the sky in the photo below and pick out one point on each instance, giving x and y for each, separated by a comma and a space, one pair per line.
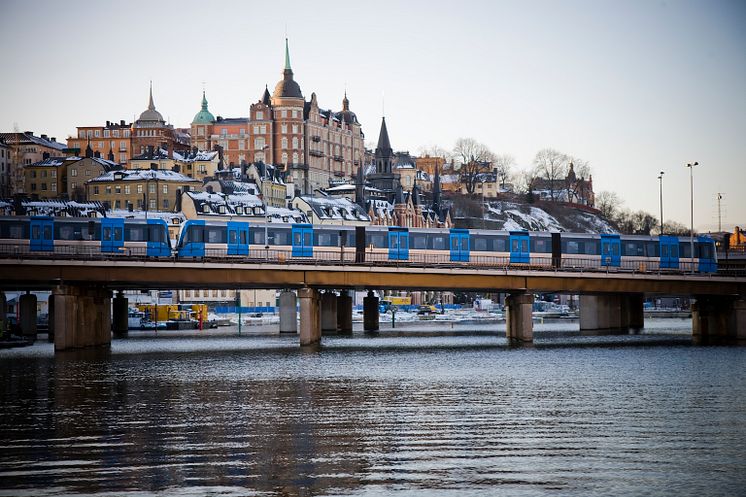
632, 87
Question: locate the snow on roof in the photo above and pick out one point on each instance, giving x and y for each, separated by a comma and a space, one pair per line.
166, 216
51, 162
336, 208
53, 207
144, 175
281, 214
341, 188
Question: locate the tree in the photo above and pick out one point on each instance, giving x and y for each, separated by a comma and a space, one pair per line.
435, 151
551, 165
609, 204
674, 228
474, 159
501, 165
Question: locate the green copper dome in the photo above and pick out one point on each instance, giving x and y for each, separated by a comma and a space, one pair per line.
203, 116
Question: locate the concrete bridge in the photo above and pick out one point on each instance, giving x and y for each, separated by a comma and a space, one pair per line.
81, 308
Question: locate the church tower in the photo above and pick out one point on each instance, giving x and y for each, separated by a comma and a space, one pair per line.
384, 179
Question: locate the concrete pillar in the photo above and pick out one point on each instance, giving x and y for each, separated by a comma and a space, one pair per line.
635, 314
50, 319
718, 319
370, 312
329, 312
518, 319
27, 318
310, 316
4, 331
611, 312
82, 317
344, 313
120, 321
288, 312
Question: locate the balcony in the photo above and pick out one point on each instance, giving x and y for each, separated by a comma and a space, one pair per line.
315, 138
299, 167
339, 174
316, 153
338, 158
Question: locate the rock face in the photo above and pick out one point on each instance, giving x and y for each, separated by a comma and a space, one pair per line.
508, 216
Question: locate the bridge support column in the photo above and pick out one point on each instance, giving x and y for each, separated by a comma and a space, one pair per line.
716, 319
50, 319
288, 312
27, 315
519, 324
82, 317
310, 316
614, 312
329, 312
370, 312
344, 313
120, 322
4, 331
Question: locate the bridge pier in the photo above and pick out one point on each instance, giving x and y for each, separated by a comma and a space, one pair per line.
717, 319
120, 321
611, 312
82, 317
310, 316
50, 319
328, 312
288, 312
3, 317
519, 326
370, 313
27, 315
344, 313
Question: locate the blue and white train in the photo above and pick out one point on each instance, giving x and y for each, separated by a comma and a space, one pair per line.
201, 240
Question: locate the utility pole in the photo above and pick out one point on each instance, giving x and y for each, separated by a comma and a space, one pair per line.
691, 199
720, 219
660, 179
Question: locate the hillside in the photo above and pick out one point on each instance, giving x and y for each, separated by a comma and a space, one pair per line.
540, 216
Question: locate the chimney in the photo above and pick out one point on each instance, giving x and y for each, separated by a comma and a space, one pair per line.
121, 123
150, 151
177, 204
176, 168
43, 137
108, 124
208, 188
45, 156
53, 139
97, 154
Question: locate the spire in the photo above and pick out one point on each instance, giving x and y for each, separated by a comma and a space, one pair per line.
204, 100
287, 56
151, 105
88, 149
436, 191
345, 103
266, 97
384, 145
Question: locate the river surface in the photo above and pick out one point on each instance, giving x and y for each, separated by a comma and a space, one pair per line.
416, 411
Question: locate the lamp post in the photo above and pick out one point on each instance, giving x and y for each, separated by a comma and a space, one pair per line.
691, 207
660, 180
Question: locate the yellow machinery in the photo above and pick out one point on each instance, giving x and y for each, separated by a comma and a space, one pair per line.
174, 312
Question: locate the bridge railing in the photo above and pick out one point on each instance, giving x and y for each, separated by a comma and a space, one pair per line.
348, 256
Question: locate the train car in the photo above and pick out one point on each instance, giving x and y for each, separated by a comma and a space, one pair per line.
85, 236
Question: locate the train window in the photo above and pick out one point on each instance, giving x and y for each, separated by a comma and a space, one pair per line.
196, 234
307, 238
479, 243
279, 237
591, 247
541, 246
134, 233
419, 241
378, 240
232, 237
651, 249
118, 233
155, 233
705, 251
258, 237
439, 242
243, 237
571, 247
216, 234
327, 239
501, 244
636, 249
685, 250
67, 231
107, 233
297, 239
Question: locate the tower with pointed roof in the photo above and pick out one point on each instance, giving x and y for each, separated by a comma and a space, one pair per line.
201, 127
151, 130
384, 178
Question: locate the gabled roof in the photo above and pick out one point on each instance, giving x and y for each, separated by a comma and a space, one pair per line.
335, 208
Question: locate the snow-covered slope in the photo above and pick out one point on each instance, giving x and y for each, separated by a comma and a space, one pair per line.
507, 216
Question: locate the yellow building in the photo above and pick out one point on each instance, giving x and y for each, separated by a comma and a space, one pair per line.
81, 170
47, 178
144, 189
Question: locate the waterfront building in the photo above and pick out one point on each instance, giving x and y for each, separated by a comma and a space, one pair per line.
274, 190
317, 147
47, 178
26, 149
80, 170
5, 183
142, 189
112, 141
195, 164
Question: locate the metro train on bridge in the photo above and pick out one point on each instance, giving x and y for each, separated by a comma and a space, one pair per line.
256, 242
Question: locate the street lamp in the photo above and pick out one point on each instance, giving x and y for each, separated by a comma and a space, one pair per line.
660, 179
691, 205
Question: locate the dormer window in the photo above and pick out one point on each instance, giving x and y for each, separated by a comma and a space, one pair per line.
206, 209
221, 209
239, 210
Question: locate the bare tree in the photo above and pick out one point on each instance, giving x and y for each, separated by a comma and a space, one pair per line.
609, 204
436, 151
673, 228
521, 180
581, 167
473, 158
551, 165
501, 165
582, 171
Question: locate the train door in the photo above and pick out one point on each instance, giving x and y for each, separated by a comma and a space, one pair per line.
611, 250
706, 252
238, 238
112, 235
520, 252
398, 243
459, 243
158, 244
42, 234
302, 240
669, 246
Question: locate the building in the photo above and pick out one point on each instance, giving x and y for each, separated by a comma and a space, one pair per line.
569, 189
313, 145
120, 142
25, 149
275, 191
221, 206
384, 178
325, 210
148, 189
5, 178
47, 178
195, 164
81, 170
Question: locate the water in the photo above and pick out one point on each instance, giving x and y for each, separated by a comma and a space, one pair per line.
444, 412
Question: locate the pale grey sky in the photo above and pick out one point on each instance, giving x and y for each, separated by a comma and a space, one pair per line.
634, 87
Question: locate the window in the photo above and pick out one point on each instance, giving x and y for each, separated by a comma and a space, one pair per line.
72, 186
258, 143
115, 133
284, 128
118, 190
151, 188
224, 131
95, 190
43, 186
53, 186
295, 142
259, 114
73, 172
87, 172
81, 133
295, 113
165, 189
165, 203
107, 134
126, 133
284, 143
295, 128
139, 188
126, 189
151, 204
97, 133
284, 113
108, 190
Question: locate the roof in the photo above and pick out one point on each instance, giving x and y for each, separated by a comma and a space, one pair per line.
204, 116
221, 204
384, 145
53, 207
335, 208
52, 162
28, 137
144, 175
287, 87
150, 114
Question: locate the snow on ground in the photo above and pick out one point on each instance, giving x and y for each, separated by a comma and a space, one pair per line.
516, 216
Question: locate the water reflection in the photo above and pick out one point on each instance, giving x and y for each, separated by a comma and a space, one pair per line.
439, 413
